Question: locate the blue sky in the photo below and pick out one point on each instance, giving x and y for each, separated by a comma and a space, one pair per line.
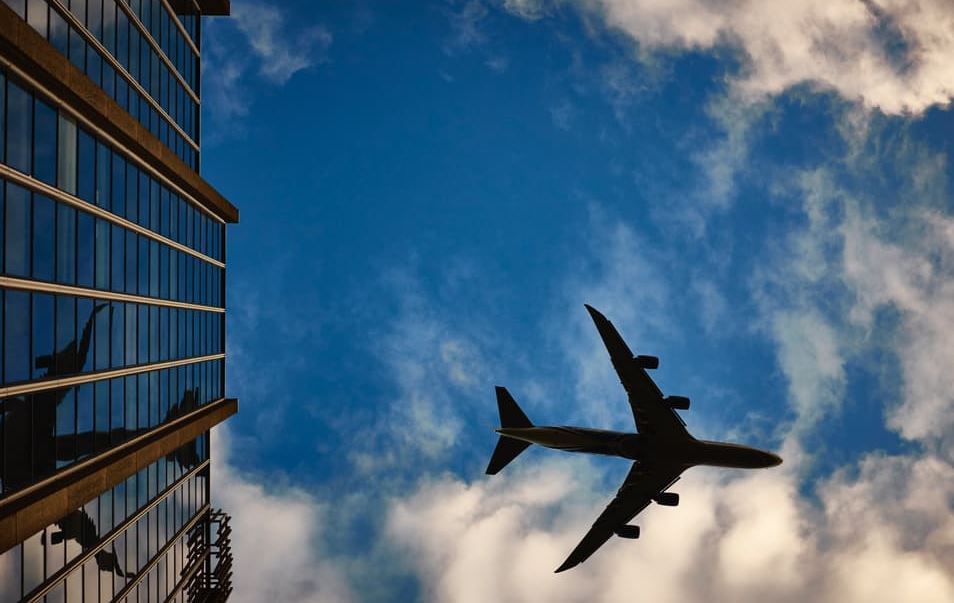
430, 192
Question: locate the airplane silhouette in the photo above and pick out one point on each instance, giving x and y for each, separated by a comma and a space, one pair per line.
79, 526
661, 450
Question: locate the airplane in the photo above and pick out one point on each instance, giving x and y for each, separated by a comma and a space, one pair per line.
661, 450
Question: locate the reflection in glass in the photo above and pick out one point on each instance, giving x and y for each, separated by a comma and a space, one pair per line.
17, 231
63, 363
131, 261
44, 143
103, 336
118, 335
84, 417
65, 244
86, 165
66, 154
100, 440
102, 254
66, 429
117, 425
42, 335
85, 245
43, 234
103, 175
19, 127
33, 561
16, 336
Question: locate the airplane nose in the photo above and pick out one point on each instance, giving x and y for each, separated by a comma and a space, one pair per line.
774, 460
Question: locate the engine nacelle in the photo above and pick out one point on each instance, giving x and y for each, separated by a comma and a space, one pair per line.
678, 402
647, 362
627, 531
667, 499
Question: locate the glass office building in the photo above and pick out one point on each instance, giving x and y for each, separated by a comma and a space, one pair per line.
112, 306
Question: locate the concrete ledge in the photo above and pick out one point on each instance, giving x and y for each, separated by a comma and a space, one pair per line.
27, 511
26, 49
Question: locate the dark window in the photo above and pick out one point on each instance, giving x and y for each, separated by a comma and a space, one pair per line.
143, 265
65, 335
103, 175
84, 419
153, 334
119, 185
118, 258
143, 352
84, 246
122, 38
154, 268
44, 143
42, 320
17, 231
132, 264
59, 33
101, 418
118, 346
131, 424
44, 232
102, 254
153, 205
102, 337
66, 429
131, 335
94, 66
142, 383
144, 199
77, 50
86, 171
163, 271
117, 426
132, 192
86, 332
65, 244
16, 336
163, 334
19, 127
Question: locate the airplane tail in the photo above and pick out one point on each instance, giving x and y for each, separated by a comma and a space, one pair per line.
510, 416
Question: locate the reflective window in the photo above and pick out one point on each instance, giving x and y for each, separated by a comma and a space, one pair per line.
16, 336
19, 127
66, 154
44, 231
44, 142
17, 231
65, 244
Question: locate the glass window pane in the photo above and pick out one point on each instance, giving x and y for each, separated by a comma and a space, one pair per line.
66, 155
43, 237
19, 127
132, 192
65, 359
143, 265
16, 336
101, 416
44, 143
143, 324
85, 246
42, 334
131, 334
117, 423
103, 314
59, 33
118, 258
119, 185
132, 263
118, 351
103, 175
102, 254
65, 244
84, 352
17, 231
86, 159
66, 429
77, 49
84, 420
37, 15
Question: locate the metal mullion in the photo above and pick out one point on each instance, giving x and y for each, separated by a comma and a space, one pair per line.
144, 571
156, 46
109, 538
39, 386
19, 284
107, 56
181, 27
51, 191
77, 116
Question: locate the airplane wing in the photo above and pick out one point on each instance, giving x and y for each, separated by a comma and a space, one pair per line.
652, 415
642, 484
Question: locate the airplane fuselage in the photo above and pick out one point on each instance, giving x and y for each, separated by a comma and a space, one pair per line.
643, 447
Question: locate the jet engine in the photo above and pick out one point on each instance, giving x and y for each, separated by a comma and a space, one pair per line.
678, 402
627, 531
667, 499
647, 362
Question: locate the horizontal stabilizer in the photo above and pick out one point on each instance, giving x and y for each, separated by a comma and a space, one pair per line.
510, 416
507, 450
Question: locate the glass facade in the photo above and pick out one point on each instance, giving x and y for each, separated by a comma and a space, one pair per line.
112, 314
130, 541
137, 53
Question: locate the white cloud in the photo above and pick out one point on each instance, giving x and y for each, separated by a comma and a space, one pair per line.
889, 54
277, 531
280, 50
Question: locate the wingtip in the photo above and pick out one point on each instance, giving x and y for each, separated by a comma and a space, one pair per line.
566, 565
